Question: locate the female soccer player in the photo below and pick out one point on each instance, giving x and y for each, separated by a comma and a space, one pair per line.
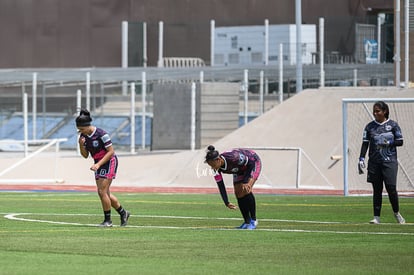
382, 136
245, 165
95, 141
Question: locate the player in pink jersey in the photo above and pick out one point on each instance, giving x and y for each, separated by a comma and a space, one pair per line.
245, 166
98, 144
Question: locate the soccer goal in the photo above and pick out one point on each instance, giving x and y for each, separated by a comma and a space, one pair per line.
22, 167
290, 167
356, 113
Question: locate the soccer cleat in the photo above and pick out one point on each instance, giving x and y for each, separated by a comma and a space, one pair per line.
124, 218
252, 225
399, 218
243, 226
106, 224
375, 220
255, 222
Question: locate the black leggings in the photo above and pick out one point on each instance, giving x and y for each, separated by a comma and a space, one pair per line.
380, 174
377, 198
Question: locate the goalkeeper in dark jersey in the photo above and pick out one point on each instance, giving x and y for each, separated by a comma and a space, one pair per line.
382, 136
245, 165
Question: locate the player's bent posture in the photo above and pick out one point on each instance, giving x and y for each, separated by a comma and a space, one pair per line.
245, 165
98, 144
382, 136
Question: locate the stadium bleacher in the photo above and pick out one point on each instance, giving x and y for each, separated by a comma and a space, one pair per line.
56, 127
12, 128
59, 126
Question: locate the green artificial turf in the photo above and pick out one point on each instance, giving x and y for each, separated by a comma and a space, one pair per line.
56, 233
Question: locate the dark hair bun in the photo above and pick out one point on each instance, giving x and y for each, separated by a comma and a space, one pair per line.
84, 112
212, 153
84, 118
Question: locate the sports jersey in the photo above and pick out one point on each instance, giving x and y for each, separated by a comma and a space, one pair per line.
97, 143
239, 162
381, 137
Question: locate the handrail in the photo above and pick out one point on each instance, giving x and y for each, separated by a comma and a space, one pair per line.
50, 142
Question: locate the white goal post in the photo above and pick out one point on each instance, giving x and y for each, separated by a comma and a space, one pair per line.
301, 157
356, 113
40, 145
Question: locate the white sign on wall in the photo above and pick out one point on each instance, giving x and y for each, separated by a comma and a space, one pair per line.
246, 44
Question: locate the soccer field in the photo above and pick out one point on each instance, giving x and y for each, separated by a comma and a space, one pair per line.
57, 233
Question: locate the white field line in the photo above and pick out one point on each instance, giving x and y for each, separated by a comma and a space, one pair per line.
15, 216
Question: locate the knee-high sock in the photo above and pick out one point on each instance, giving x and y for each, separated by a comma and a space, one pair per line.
252, 205
244, 208
121, 210
107, 215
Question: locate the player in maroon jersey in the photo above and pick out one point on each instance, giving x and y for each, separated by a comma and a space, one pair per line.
98, 144
245, 165
382, 136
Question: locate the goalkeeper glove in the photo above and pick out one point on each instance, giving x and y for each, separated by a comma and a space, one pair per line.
361, 165
388, 142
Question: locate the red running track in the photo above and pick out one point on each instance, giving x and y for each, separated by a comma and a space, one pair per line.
184, 190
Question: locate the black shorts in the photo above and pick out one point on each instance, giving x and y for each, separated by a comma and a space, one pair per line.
108, 170
385, 172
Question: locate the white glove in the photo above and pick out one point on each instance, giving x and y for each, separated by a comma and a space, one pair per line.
387, 142
361, 165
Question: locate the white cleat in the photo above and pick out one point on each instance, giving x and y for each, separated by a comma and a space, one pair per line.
399, 218
375, 220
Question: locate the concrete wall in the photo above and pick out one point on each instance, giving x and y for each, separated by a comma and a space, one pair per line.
311, 120
219, 111
171, 125
217, 114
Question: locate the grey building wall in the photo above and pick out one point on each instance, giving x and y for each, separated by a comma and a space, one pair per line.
87, 33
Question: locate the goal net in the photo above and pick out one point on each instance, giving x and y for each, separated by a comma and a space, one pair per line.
357, 112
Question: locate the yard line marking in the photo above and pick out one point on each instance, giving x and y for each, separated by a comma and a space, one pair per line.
14, 216
188, 218
202, 218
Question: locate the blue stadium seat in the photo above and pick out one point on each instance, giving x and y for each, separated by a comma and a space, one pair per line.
13, 128
122, 137
111, 124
